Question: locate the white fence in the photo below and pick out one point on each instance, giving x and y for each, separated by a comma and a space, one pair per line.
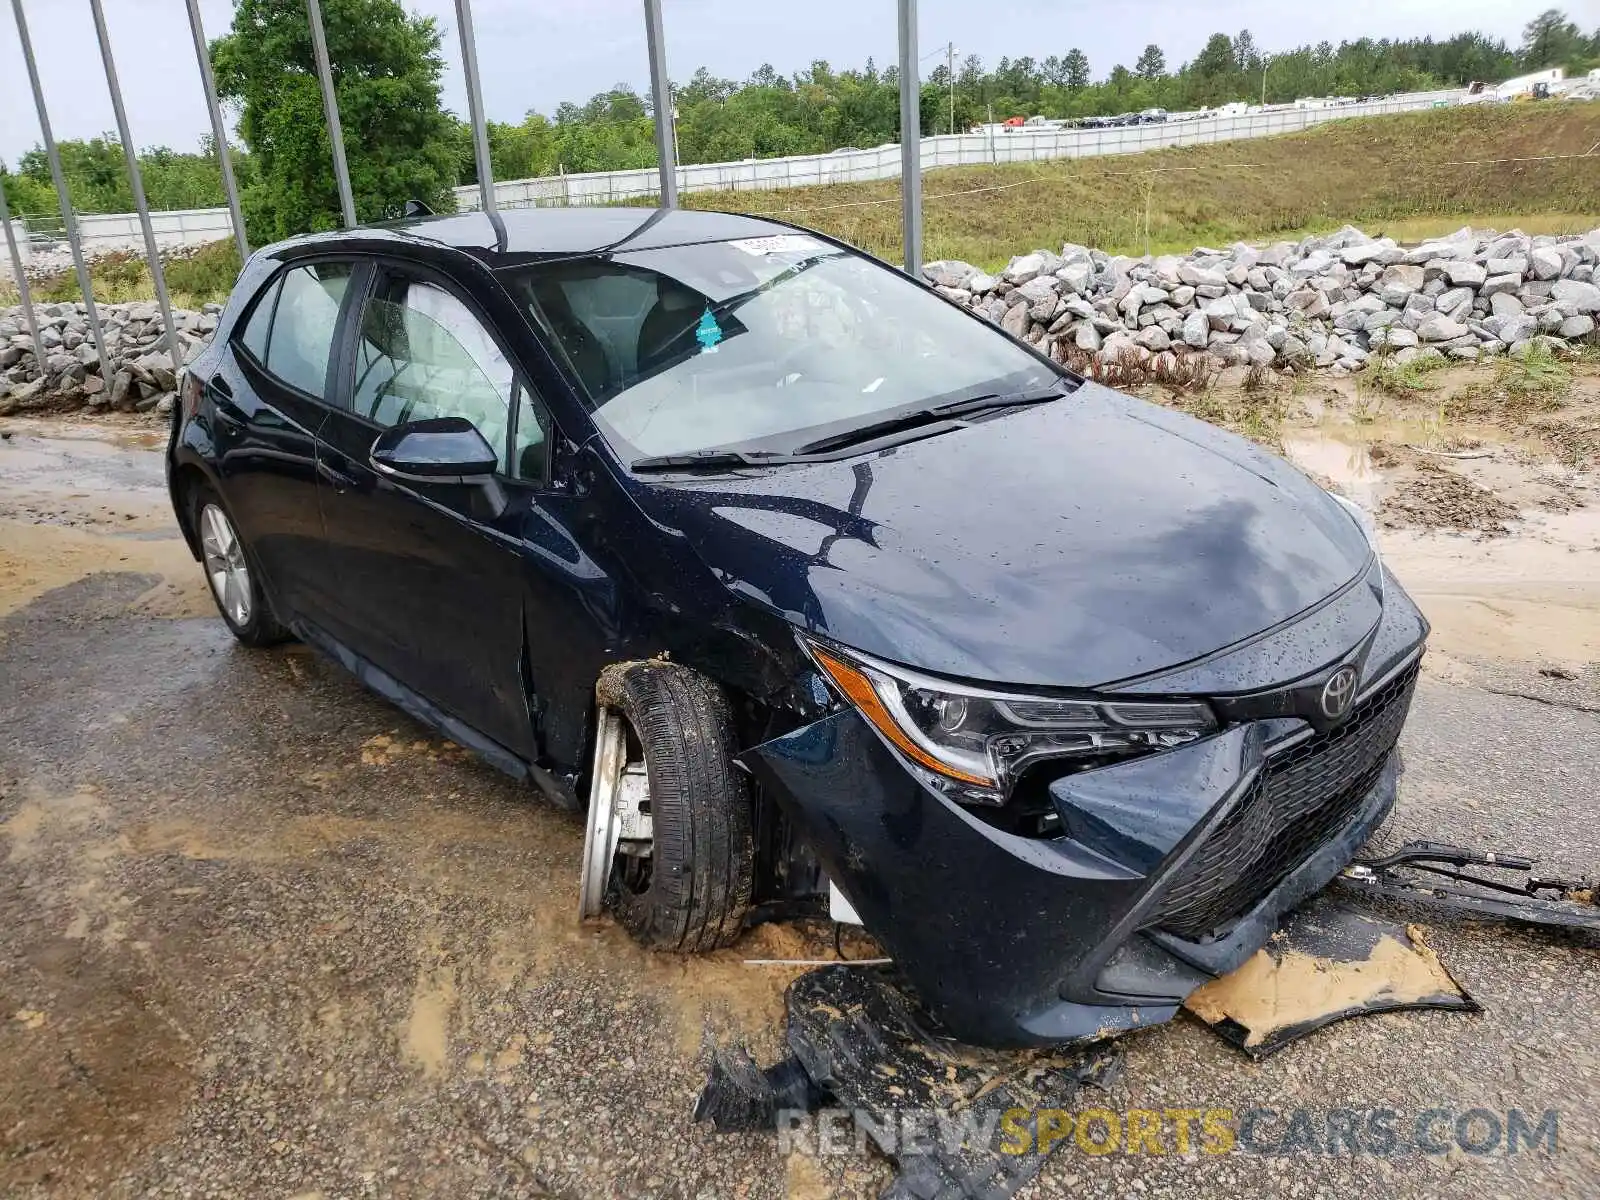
962, 149
192, 226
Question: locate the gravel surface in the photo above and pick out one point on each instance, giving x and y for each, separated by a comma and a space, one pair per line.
262, 935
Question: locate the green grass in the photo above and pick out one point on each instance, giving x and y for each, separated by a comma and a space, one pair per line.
1412, 175
203, 275
1388, 377
1537, 376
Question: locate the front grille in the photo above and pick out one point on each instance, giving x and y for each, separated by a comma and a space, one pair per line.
1303, 797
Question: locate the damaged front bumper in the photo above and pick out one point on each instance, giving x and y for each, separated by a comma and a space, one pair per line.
1172, 869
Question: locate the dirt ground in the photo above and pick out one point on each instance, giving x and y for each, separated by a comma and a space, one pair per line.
262, 935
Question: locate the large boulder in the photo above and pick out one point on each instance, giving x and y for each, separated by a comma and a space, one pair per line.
1465, 274
1545, 262
1024, 267
1579, 296
1440, 328
949, 272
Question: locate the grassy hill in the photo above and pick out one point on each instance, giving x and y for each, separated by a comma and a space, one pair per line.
1410, 175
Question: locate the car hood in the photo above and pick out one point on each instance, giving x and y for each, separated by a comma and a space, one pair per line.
1079, 543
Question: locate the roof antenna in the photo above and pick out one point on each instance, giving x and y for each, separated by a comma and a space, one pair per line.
416, 208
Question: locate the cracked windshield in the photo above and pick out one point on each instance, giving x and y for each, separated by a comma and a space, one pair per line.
747, 343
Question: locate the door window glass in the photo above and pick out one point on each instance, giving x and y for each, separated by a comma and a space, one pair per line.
303, 324
529, 459
254, 338
423, 354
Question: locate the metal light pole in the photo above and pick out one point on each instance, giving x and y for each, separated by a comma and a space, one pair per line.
22, 282
910, 139
661, 98
480, 130
219, 134
330, 110
68, 221
950, 69
136, 182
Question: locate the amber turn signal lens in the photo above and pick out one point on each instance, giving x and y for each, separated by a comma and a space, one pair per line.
859, 690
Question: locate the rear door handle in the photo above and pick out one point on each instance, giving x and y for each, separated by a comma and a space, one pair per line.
222, 404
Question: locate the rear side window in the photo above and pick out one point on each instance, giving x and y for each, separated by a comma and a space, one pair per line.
291, 333
254, 338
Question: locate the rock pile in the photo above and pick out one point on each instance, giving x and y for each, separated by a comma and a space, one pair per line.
1328, 302
142, 376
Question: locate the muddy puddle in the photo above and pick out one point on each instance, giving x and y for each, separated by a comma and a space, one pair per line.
1498, 546
79, 498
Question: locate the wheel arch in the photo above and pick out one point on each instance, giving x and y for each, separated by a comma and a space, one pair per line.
186, 477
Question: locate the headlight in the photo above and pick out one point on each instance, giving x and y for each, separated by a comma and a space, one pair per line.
976, 744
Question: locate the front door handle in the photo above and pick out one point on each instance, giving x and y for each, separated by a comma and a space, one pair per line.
340, 481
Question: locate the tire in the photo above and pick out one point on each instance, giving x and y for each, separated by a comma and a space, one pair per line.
692, 893
253, 622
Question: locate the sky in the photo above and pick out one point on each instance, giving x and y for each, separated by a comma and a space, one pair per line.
533, 54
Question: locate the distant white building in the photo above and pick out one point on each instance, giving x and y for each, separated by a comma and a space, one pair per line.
1512, 88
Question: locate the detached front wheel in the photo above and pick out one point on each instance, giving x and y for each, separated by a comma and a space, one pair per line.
668, 844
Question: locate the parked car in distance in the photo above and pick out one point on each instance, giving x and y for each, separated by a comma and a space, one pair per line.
814, 590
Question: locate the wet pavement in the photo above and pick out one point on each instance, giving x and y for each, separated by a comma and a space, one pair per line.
262, 935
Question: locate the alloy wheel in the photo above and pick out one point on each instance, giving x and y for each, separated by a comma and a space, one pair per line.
225, 564
619, 830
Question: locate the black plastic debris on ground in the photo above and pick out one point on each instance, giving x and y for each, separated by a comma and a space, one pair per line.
1326, 963
860, 1042
1498, 885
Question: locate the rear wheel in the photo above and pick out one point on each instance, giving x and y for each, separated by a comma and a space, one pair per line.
668, 846
231, 572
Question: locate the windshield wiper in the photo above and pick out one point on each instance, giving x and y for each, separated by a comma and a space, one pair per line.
991, 400
925, 416
708, 458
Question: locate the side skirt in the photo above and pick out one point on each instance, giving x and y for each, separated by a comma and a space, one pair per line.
424, 710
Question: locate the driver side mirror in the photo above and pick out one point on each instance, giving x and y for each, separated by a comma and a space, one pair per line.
439, 450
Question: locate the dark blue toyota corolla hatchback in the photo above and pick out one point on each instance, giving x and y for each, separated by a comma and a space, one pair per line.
810, 588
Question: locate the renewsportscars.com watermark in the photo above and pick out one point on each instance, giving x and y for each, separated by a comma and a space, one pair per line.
1380, 1132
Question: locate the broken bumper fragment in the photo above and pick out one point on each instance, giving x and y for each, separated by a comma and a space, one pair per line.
1170, 869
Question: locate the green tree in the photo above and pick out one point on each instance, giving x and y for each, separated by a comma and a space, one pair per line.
1550, 40
1216, 59
400, 143
1152, 63
1075, 68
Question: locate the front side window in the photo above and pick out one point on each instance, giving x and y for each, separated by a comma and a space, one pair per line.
750, 343
301, 334
422, 353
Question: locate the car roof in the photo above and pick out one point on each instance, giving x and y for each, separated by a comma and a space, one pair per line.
515, 236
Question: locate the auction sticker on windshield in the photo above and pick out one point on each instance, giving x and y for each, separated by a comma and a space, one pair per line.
782, 243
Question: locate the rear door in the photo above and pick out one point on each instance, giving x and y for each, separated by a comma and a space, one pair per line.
268, 398
429, 575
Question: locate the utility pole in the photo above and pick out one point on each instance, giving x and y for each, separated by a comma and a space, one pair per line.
951, 69
1265, 60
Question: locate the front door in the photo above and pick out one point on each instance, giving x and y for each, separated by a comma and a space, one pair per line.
429, 575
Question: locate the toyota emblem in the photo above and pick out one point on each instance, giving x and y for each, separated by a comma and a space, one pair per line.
1338, 692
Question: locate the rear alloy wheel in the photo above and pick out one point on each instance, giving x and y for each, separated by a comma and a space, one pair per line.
235, 586
668, 844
